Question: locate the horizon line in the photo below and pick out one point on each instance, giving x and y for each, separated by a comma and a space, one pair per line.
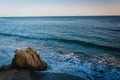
61, 16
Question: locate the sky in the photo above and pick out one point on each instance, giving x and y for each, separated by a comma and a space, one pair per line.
59, 7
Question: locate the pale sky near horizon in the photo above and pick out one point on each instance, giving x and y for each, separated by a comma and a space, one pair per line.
59, 7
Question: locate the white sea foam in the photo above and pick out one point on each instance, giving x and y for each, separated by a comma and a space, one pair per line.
90, 71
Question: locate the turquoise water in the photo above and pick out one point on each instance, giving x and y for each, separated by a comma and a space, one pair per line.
81, 36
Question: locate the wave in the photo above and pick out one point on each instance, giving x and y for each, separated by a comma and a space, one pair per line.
108, 29
58, 39
90, 44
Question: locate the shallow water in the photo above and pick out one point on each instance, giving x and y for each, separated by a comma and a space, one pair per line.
83, 42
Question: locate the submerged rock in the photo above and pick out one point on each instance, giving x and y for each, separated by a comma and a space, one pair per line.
28, 59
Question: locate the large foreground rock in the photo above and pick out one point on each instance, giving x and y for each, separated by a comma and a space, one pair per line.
28, 59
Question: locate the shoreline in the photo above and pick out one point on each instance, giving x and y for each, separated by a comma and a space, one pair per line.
33, 75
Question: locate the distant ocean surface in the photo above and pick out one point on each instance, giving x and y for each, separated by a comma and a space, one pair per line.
87, 37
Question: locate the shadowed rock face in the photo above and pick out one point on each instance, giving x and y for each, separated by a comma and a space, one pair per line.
28, 59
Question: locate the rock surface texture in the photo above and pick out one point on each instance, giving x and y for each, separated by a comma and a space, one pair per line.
28, 59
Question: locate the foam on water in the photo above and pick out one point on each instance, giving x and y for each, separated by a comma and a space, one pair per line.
83, 69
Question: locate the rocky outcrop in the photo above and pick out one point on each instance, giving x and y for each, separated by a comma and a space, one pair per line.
26, 59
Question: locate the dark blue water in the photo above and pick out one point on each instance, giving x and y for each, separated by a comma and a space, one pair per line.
83, 36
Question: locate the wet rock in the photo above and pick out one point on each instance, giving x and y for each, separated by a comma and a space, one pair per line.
19, 74
28, 59
101, 71
18, 40
65, 52
7, 75
23, 74
6, 68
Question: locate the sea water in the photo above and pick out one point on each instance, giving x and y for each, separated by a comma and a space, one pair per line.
90, 45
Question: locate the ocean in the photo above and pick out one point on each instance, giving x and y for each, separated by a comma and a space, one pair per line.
76, 45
